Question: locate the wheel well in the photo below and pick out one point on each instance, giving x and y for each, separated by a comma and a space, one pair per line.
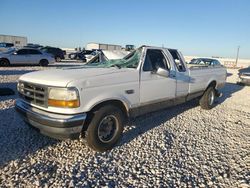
5, 59
212, 84
116, 103
43, 60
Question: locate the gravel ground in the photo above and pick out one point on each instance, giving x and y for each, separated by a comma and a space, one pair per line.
182, 146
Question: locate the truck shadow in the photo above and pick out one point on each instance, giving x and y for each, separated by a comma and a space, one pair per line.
18, 140
10, 85
145, 123
227, 91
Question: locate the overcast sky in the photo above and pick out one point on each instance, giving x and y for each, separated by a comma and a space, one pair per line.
204, 28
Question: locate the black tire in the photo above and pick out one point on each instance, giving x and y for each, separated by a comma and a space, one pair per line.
4, 62
58, 59
208, 98
95, 131
44, 63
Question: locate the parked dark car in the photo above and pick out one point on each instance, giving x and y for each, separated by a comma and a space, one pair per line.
244, 76
57, 52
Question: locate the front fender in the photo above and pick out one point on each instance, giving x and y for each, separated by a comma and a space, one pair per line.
89, 105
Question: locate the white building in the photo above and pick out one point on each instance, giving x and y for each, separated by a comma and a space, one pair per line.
98, 46
18, 41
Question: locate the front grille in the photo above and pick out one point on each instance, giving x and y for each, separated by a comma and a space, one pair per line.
33, 93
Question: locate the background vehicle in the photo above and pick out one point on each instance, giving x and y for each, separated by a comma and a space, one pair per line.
88, 57
5, 46
80, 55
56, 52
129, 47
205, 61
97, 99
244, 76
25, 56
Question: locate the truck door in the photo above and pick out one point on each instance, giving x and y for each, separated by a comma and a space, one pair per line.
153, 87
182, 74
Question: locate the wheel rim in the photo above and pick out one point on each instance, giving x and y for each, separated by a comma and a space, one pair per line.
4, 63
44, 63
107, 128
58, 59
211, 98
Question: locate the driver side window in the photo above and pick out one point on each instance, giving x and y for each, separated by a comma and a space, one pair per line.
155, 59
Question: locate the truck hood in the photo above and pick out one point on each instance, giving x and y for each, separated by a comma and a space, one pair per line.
62, 77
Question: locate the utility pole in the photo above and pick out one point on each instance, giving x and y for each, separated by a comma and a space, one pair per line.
237, 57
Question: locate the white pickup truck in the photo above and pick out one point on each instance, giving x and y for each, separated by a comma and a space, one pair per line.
95, 100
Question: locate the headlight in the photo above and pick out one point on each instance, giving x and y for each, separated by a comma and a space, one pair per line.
63, 97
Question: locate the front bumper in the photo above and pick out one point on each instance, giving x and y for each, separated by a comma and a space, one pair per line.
57, 126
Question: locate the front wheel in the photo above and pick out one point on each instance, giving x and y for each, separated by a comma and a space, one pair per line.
44, 63
208, 98
4, 62
105, 128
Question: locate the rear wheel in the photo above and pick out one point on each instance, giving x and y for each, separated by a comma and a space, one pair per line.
58, 59
105, 128
4, 62
44, 63
208, 98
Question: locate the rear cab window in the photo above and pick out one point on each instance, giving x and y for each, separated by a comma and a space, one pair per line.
180, 65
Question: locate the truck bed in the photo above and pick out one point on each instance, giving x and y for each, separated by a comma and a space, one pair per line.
202, 75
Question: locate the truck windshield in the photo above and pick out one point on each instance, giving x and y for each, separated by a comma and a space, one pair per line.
129, 61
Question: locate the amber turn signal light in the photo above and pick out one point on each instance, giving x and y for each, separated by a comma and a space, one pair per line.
64, 104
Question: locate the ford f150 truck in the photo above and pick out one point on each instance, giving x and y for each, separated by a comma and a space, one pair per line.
95, 100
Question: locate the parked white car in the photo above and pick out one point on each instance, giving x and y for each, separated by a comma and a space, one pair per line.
25, 56
96, 100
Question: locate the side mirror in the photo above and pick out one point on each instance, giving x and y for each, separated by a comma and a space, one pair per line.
162, 72
14, 53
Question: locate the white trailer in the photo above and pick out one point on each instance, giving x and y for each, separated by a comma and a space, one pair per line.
98, 46
18, 41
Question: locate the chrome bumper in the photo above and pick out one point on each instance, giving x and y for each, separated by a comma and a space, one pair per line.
57, 126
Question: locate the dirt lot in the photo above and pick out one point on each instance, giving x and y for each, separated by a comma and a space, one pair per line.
182, 146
